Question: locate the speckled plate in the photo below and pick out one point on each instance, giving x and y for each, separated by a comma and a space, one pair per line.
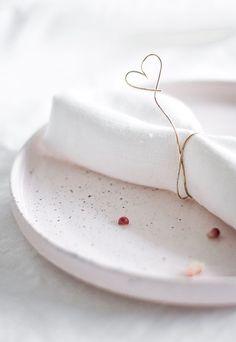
70, 215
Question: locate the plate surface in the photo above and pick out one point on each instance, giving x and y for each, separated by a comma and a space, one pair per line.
70, 214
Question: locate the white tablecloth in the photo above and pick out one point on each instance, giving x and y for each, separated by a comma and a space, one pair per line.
46, 46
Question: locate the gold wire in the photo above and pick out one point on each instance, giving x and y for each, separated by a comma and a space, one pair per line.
180, 149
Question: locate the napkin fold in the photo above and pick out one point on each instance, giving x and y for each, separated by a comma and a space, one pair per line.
125, 136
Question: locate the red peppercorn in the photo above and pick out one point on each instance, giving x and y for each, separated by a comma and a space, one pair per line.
214, 233
123, 221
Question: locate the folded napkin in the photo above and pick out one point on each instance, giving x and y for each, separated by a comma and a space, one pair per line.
123, 135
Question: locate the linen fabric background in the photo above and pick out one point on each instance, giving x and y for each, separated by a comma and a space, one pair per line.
47, 46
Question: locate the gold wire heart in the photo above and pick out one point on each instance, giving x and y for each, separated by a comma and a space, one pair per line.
180, 148
142, 72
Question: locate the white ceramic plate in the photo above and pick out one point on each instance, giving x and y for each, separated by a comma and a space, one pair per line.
70, 215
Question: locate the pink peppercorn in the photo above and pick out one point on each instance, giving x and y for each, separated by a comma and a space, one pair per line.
214, 233
123, 221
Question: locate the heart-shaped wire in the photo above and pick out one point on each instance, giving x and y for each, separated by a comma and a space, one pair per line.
142, 72
180, 148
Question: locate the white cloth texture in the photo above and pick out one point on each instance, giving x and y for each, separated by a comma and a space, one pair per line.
47, 46
121, 136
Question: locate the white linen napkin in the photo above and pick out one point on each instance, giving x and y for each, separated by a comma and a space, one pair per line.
122, 135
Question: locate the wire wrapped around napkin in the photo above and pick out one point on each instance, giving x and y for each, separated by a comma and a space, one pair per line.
123, 136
